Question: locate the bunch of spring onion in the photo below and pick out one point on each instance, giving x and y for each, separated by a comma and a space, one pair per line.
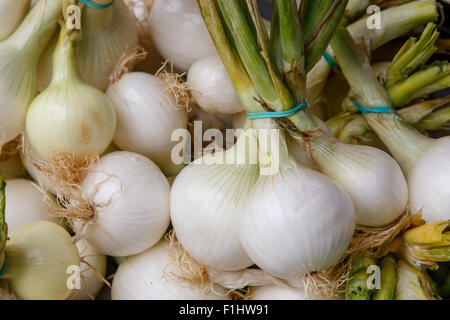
237, 197
425, 161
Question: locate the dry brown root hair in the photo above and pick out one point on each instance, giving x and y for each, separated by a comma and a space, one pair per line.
236, 282
176, 86
127, 61
64, 174
331, 282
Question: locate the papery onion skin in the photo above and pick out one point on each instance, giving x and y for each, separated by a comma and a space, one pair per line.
212, 88
179, 32
146, 118
356, 168
152, 275
24, 204
428, 182
130, 197
12, 13
39, 255
296, 222
205, 204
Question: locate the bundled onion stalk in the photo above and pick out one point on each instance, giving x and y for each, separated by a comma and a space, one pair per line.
35, 258
19, 55
396, 22
425, 161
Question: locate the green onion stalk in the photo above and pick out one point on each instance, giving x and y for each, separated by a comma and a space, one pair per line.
425, 161
396, 21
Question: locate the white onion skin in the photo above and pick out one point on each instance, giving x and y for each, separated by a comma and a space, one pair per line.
372, 178
205, 205
107, 34
24, 204
12, 13
146, 118
179, 33
130, 195
147, 277
296, 222
90, 283
212, 88
428, 181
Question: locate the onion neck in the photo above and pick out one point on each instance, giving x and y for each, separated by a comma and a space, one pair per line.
64, 58
37, 28
406, 144
98, 18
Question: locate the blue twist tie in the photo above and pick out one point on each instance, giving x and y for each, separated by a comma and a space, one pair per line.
330, 60
276, 114
2, 270
97, 6
371, 110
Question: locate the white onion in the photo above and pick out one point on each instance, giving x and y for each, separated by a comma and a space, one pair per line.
151, 276
90, 282
12, 13
205, 204
146, 118
370, 176
296, 221
428, 182
211, 86
276, 293
130, 197
179, 32
24, 204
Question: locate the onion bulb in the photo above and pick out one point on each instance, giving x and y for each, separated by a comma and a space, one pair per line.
12, 13
151, 275
69, 116
19, 55
93, 266
211, 86
24, 204
107, 34
130, 199
296, 221
274, 292
179, 33
38, 257
147, 116
206, 202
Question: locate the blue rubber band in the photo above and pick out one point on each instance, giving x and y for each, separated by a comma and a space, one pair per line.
97, 6
330, 60
2, 270
371, 110
276, 114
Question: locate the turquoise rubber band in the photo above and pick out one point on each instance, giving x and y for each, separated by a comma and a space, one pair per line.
276, 114
330, 60
2, 270
97, 6
371, 110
